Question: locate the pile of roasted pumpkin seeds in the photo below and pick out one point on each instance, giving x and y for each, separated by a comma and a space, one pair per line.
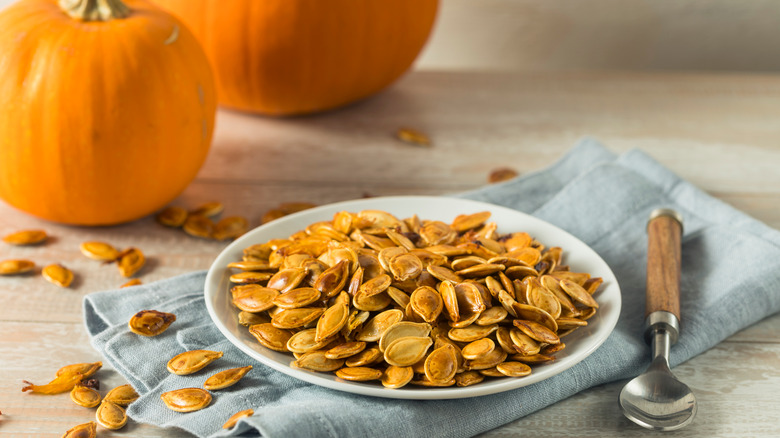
370, 297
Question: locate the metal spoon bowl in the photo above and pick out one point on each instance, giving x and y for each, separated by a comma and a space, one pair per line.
657, 399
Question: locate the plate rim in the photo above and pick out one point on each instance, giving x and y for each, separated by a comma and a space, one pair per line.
217, 270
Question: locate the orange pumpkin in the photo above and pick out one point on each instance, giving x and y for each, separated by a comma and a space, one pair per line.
285, 57
106, 109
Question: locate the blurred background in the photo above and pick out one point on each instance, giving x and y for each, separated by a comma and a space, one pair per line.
539, 35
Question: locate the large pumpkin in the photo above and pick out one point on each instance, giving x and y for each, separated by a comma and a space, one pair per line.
106, 109
285, 57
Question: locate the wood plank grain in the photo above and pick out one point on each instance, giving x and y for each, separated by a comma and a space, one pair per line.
733, 384
718, 131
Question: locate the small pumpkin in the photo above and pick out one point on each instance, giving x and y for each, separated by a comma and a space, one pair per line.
286, 57
106, 109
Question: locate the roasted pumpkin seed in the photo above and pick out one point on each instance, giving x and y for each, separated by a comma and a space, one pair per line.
224, 379
396, 377
84, 396
172, 216
478, 348
186, 399
101, 251
25, 237
233, 420
122, 395
209, 209
366, 357
359, 374
110, 416
295, 298
150, 322
192, 361
230, 228
86, 430
501, 174
317, 361
13, 267
270, 337
198, 225
406, 351
130, 262
57, 275
345, 350
413, 136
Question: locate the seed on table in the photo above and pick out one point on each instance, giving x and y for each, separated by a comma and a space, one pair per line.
412, 136
101, 251
230, 228
224, 379
501, 174
25, 237
131, 261
86, 369
86, 430
122, 395
209, 209
111, 416
16, 266
150, 322
58, 275
84, 396
192, 361
285, 209
62, 383
173, 217
233, 420
186, 399
198, 225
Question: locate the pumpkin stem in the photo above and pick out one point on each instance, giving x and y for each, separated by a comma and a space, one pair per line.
95, 10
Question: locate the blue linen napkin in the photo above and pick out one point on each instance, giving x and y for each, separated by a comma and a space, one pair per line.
601, 198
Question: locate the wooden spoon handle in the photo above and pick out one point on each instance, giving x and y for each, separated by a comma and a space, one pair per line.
664, 230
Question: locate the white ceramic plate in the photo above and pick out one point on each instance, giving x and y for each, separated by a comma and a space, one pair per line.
578, 255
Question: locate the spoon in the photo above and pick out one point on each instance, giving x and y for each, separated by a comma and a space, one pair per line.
657, 399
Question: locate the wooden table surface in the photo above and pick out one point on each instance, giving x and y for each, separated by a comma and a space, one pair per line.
719, 131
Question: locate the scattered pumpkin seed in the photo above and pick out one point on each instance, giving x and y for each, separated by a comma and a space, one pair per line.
130, 262
25, 237
209, 209
224, 379
122, 395
413, 136
86, 430
198, 225
230, 228
84, 396
501, 174
110, 415
173, 217
150, 322
233, 420
16, 266
192, 361
101, 251
58, 275
186, 399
